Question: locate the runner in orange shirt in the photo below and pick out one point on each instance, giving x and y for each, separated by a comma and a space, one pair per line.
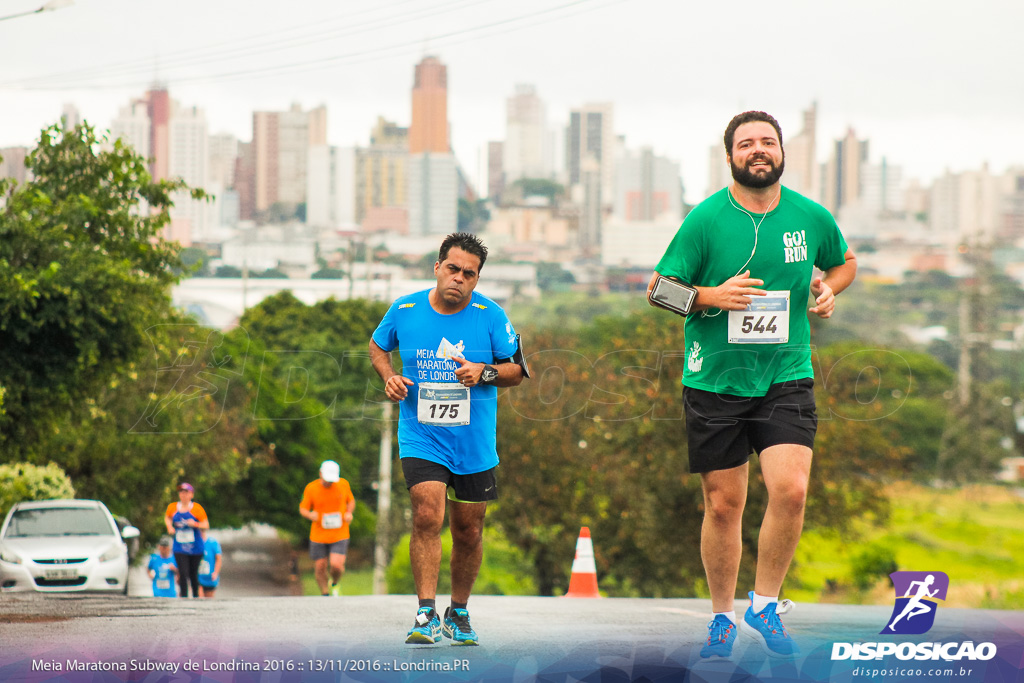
328, 503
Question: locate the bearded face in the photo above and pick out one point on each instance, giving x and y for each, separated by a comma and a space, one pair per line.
757, 160
758, 172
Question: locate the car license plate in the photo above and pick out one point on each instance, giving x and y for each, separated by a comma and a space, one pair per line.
61, 574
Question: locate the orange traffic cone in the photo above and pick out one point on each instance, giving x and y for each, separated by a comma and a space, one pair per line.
583, 581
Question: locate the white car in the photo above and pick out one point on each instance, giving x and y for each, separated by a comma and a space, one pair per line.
63, 545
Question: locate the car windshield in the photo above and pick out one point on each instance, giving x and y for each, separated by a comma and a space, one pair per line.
70, 521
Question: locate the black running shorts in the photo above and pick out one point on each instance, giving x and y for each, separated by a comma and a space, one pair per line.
478, 487
722, 430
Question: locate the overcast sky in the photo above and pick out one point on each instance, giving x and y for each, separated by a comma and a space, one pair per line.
932, 85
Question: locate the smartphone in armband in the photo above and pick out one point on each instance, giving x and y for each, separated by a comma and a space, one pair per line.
673, 295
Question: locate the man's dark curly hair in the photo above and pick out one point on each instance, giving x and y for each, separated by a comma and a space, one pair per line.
747, 117
467, 242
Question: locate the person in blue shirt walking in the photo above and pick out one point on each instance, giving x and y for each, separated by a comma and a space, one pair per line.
209, 567
457, 348
163, 570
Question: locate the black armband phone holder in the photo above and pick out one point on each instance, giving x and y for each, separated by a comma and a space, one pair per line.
673, 295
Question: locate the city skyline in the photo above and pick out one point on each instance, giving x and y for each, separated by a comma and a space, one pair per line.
674, 76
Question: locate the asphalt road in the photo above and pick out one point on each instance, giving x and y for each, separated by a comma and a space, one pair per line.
522, 638
247, 635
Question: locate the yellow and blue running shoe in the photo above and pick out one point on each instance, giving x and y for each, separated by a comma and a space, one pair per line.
427, 628
456, 626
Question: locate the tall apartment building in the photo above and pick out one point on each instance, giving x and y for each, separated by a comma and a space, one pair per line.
647, 187
70, 116
132, 125
221, 175
382, 179
174, 141
12, 164
331, 192
842, 177
882, 188
495, 169
527, 149
281, 142
591, 134
718, 170
158, 108
188, 159
966, 207
433, 183
802, 172
428, 132
589, 158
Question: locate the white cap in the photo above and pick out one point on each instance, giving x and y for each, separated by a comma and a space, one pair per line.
329, 471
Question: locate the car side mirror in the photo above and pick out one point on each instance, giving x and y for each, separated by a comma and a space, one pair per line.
129, 532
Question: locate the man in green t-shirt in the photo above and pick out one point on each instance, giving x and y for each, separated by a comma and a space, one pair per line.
750, 251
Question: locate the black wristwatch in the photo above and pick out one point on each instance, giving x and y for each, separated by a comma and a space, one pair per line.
488, 375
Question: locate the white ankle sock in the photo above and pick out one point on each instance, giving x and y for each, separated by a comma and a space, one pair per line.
731, 616
762, 601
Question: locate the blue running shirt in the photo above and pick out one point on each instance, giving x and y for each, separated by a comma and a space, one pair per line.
164, 581
426, 340
211, 549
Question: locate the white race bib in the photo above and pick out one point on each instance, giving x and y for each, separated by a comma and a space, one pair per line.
331, 520
204, 568
442, 404
764, 321
163, 584
185, 535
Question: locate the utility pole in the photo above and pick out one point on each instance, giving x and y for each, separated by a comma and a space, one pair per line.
380, 552
966, 333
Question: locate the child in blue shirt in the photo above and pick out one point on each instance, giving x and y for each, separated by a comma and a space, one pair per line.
209, 568
161, 568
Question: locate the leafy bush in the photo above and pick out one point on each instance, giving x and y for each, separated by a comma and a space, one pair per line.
21, 481
874, 562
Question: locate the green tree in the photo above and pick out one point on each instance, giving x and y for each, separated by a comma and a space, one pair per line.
181, 411
271, 273
551, 276
537, 187
473, 215
317, 356
84, 271
195, 261
326, 273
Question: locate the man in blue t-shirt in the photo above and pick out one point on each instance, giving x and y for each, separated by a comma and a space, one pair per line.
457, 347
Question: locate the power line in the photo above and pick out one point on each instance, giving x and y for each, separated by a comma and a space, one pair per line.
361, 56
252, 44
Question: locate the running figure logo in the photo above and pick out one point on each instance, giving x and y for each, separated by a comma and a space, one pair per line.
916, 595
447, 350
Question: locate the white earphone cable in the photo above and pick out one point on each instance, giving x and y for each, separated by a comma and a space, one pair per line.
757, 226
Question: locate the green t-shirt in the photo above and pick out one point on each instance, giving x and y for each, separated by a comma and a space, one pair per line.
744, 352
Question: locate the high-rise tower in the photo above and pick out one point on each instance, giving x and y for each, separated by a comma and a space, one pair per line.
429, 129
433, 183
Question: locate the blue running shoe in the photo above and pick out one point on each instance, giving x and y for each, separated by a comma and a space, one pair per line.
721, 637
427, 629
766, 628
456, 626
